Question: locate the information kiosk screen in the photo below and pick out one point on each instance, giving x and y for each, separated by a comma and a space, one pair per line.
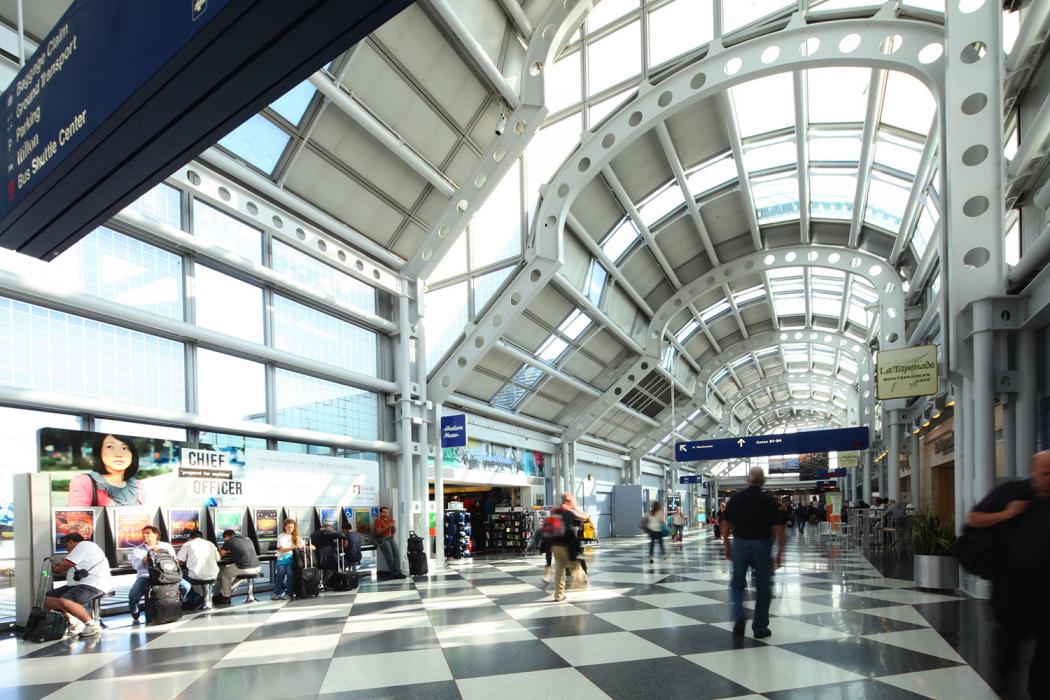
227, 519
363, 524
67, 521
128, 528
181, 522
328, 516
266, 525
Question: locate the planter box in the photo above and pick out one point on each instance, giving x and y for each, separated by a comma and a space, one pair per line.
936, 572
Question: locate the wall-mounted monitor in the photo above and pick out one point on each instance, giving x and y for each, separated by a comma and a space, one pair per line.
362, 520
328, 515
86, 522
226, 519
181, 522
266, 524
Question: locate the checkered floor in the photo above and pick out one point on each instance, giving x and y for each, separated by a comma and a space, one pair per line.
489, 629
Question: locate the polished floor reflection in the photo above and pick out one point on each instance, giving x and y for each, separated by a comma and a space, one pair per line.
489, 628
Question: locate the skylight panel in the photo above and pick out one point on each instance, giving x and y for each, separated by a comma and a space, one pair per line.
858, 313
887, 199
776, 197
924, 227
828, 5
551, 349
935, 5
292, 104
770, 153
793, 304
714, 311
596, 278
848, 363
837, 94
1012, 244
257, 141
668, 359
740, 361
686, 331
739, 13
711, 175
766, 352
908, 104
897, 152
832, 146
608, 11
831, 192
575, 324
662, 203
748, 295
615, 58
546, 151
600, 110
563, 85
508, 396
823, 355
678, 27
622, 237
764, 104
1011, 28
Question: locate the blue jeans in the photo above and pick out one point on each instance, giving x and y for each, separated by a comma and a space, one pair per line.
282, 577
138, 590
758, 554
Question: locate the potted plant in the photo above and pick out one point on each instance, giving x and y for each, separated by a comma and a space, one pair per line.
933, 541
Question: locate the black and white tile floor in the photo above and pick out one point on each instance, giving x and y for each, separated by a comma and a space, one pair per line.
489, 629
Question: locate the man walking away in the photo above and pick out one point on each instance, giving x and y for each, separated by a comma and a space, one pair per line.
1020, 512
754, 518
564, 546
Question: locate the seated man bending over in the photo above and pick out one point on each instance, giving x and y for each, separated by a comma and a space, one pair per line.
90, 579
245, 561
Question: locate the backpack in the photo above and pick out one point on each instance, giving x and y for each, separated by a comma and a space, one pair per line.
553, 526
163, 568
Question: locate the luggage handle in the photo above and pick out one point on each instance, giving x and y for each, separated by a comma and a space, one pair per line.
46, 581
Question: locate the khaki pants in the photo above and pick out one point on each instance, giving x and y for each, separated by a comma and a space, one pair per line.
563, 561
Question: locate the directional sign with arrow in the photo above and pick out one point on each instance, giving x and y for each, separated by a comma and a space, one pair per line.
837, 440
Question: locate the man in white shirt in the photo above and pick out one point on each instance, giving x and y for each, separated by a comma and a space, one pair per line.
201, 559
140, 561
88, 577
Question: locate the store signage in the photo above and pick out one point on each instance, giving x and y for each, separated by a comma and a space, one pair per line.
907, 372
766, 445
454, 431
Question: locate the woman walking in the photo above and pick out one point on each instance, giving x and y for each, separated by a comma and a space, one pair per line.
656, 527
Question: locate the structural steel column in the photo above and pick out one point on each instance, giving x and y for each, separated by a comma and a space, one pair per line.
866, 486
404, 423
890, 424
439, 488
419, 408
958, 468
916, 478
1026, 399
982, 422
966, 441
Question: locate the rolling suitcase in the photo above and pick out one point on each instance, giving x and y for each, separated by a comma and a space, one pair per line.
307, 576
343, 580
44, 625
163, 604
417, 563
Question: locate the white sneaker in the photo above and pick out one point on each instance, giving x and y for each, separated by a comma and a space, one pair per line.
90, 630
75, 628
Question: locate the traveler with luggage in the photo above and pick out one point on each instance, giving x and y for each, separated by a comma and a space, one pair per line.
560, 533
678, 521
306, 575
326, 542
143, 558
655, 525
385, 527
245, 561
88, 577
352, 548
200, 557
288, 541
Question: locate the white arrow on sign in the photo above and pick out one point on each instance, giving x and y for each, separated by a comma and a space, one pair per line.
740, 442
681, 448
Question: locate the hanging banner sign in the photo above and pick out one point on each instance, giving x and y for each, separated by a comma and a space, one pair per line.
454, 431
907, 372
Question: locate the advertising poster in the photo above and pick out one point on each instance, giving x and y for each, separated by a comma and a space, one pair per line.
96, 469
329, 516
266, 523
363, 524
812, 465
227, 520
848, 460
129, 529
183, 522
70, 520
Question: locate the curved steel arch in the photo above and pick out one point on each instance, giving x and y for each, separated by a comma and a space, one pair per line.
720, 69
826, 409
866, 388
836, 386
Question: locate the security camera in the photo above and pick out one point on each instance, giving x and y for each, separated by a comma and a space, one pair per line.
501, 123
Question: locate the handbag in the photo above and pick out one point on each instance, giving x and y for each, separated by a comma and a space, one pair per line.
979, 551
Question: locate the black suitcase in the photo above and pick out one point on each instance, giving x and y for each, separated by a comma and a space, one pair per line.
415, 543
307, 576
417, 563
44, 625
163, 604
343, 580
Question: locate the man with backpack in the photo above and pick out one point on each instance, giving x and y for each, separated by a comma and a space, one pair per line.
149, 555
559, 531
90, 579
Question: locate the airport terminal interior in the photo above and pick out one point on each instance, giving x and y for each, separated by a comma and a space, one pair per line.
498, 251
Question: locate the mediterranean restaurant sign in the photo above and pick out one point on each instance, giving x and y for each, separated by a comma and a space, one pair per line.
907, 372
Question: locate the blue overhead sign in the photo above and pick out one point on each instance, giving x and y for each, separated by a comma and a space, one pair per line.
454, 431
691, 479
836, 440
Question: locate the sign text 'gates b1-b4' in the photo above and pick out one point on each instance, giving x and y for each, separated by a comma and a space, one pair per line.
836, 440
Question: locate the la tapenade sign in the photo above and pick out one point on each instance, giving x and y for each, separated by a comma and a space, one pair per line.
907, 372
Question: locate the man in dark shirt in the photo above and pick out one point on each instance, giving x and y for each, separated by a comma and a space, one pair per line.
245, 561
326, 541
1020, 512
754, 518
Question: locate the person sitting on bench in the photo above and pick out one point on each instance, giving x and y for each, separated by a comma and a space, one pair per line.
245, 561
